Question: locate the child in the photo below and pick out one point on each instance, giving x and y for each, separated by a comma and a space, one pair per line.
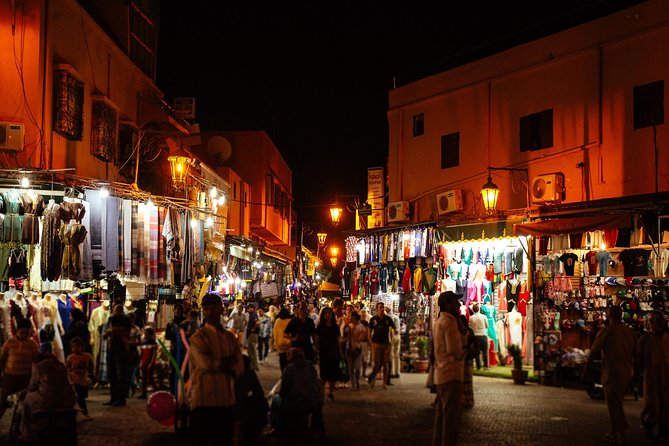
147, 359
16, 360
79, 365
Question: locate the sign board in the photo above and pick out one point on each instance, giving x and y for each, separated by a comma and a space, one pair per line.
184, 108
376, 196
365, 210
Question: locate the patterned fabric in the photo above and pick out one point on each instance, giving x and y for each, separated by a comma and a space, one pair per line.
127, 236
110, 234
134, 239
187, 259
153, 244
71, 238
162, 259
33, 206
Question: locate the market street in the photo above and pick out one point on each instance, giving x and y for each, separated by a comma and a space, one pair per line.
504, 414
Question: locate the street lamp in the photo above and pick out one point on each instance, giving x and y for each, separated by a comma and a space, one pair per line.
333, 262
335, 213
334, 251
322, 236
179, 166
490, 191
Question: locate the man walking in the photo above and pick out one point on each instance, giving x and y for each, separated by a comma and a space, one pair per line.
381, 328
264, 333
252, 331
449, 368
479, 324
215, 363
616, 341
118, 337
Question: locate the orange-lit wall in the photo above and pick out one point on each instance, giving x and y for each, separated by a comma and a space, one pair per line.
72, 37
254, 156
20, 81
586, 75
238, 207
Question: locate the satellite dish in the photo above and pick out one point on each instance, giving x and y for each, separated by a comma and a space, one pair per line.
219, 148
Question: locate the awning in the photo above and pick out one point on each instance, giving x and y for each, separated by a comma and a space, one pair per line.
473, 231
572, 225
327, 286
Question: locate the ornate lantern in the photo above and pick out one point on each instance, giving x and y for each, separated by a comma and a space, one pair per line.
179, 166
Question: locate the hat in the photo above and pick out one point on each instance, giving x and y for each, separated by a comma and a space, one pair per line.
210, 299
446, 298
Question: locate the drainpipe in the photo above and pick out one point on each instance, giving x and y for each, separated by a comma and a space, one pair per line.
45, 33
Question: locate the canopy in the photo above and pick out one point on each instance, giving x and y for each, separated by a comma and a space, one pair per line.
327, 286
572, 225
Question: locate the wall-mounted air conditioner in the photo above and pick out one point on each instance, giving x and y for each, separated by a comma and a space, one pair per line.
397, 211
450, 201
548, 188
11, 136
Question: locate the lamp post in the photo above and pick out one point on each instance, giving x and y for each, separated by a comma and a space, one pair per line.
490, 191
322, 236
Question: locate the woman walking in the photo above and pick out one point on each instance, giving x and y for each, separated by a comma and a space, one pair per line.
283, 344
328, 336
357, 335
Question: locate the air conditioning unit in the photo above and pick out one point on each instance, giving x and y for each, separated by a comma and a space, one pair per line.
450, 201
11, 136
548, 188
397, 211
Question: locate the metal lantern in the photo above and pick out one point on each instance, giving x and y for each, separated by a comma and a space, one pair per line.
490, 192
179, 166
335, 214
322, 236
333, 262
334, 251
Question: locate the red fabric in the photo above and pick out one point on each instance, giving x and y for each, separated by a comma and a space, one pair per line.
572, 225
610, 237
492, 356
406, 280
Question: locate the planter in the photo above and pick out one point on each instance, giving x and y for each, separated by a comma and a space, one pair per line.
420, 365
519, 376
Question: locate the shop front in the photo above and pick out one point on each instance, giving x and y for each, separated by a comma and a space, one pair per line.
584, 265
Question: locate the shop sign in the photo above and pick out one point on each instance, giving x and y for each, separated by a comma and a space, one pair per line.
375, 196
269, 290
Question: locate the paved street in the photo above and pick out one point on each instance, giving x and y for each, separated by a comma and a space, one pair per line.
504, 414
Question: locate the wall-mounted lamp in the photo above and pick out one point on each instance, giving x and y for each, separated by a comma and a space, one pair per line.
490, 191
179, 166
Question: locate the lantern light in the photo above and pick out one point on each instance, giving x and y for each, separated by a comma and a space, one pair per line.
334, 251
322, 236
333, 262
213, 192
335, 214
490, 192
179, 166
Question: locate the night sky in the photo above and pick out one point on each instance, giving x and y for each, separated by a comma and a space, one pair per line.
315, 75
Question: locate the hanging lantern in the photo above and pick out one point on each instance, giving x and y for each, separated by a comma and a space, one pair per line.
334, 251
335, 214
322, 236
179, 166
490, 192
333, 262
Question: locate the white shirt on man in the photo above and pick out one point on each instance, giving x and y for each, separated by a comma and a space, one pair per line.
479, 323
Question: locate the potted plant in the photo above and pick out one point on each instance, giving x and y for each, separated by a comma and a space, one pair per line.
421, 363
518, 374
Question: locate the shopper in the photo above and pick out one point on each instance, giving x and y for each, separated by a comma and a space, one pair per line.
148, 352
251, 408
252, 331
479, 324
264, 333
616, 341
302, 332
356, 336
473, 350
79, 364
16, 361
449, 364
133, 349
78, 329
177, 348
282, 342
395, 342
301, 395
328, 336
652, 362
215, 364
381, 328
118, 354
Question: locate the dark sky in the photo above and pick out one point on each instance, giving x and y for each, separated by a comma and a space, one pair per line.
315, 75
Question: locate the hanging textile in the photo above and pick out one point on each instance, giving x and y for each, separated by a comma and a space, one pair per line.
188, 248
134, 239
127, 236
162, 255
110, 233
86, 248
141, 254
153, 243
50, 242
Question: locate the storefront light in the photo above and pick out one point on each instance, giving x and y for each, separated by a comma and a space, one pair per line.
250, 249
179, 166
213, 192
317, 264
334, 251
25, 182
209, 222
104, 192
242, 285
490, 192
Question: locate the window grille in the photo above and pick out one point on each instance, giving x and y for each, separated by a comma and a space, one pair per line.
68, 105
104, 130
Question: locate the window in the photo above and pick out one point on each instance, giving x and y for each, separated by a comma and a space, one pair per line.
648, 105
418, 125
104, 129
450, 150
127, 139
536, 131
68, 103
142, 41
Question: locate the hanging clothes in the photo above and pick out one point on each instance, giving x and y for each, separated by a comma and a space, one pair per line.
33, 207
10, 205
71, 236
52, 247
110, 233
187, 259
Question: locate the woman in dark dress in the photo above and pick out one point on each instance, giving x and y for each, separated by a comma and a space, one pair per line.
329, 350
